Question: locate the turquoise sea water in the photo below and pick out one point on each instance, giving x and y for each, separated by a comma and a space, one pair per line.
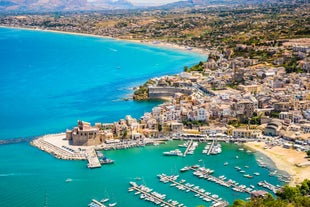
48, 81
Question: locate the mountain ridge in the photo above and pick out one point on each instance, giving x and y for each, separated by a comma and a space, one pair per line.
87, 5
63, 5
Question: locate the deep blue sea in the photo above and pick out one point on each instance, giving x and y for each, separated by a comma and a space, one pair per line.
48, 81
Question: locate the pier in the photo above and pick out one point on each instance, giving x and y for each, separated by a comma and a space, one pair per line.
188, 147
211, 147
93, 161
195, 189
154, 196
269, 186
96, 203
202, 172
58, 151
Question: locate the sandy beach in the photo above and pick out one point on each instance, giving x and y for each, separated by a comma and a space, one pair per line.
285, 160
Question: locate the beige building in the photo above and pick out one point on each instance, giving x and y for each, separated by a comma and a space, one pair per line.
246, 133
84, 134
250, 88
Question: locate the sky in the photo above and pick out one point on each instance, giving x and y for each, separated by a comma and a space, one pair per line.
152, 2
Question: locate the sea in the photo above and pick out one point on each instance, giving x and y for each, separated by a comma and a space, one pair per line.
50, 80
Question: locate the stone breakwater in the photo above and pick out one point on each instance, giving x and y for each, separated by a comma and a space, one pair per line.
52, 145
58, 146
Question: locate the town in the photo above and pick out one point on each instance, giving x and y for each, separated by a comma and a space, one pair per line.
254, 85
236, 97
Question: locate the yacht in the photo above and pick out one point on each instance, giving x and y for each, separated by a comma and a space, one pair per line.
104, 200
248, 176
112, 204
68, 180
175, 152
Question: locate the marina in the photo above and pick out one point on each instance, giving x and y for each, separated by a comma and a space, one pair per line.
269, 186
203, 172
152, 196
188, 187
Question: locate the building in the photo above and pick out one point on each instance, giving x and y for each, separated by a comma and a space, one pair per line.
250, 88
246, 133
273, 128
84, 134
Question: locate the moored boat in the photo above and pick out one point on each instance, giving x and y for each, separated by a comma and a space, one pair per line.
175, 152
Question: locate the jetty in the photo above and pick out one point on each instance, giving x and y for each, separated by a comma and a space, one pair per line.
199, 192
155, 197
269, 186
96, 203
92, 158
188, 147
202, 172
59, 151
211, 147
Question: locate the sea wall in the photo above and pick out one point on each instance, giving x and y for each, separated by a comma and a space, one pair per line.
156, 92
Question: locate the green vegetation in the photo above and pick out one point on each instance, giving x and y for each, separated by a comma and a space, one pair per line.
193, 123
291, 65
232, 85
198, 67
236, 123
141, 93
288, 197
274, 114
308, 153
256, 119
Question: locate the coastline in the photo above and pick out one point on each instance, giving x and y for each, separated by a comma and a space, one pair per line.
285, 160
153, 43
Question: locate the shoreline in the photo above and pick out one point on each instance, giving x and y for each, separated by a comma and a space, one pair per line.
153, 43
284, 160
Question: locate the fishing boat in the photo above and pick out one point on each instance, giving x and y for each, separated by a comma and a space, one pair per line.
112, 204
225, 163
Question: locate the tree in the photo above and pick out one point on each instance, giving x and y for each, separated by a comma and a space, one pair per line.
160, 127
